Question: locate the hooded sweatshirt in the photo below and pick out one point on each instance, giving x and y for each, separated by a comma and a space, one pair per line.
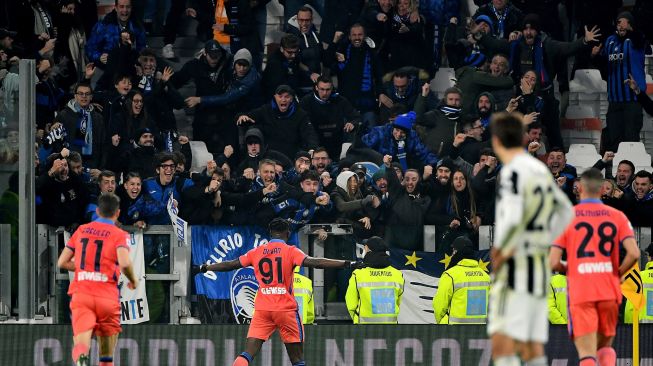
351, 205
249, 161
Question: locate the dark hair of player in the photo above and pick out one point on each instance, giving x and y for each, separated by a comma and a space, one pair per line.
279, 228
508, 128
108, 204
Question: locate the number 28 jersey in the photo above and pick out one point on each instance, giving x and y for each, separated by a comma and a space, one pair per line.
274, 265
592, 243
96, 258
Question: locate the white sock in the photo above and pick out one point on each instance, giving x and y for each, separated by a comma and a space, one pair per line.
507, 361
538, 361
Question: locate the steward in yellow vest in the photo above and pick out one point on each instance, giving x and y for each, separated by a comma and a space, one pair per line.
463, 289
557, 299
374, 293
645, 313
303, 291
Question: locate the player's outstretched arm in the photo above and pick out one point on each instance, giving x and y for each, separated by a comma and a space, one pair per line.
221, 267
65, 260
632, 255
313, 262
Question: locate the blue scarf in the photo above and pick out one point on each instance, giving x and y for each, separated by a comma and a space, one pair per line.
538, 60
83, 137
501, 18
366, 84
451, 113
401, 154
476, 58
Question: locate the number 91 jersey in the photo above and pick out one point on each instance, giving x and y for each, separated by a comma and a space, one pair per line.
274, 265
592, 243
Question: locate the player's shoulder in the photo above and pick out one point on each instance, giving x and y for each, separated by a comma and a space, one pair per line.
525, 168
525, 163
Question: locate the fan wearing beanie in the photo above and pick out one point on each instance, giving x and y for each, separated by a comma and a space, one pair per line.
401, 142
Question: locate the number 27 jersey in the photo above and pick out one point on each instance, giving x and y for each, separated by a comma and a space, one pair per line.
592, 243
273, 264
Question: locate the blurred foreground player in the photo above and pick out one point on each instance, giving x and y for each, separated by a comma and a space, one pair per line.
100, 251
593, 272
530, 212
275, 303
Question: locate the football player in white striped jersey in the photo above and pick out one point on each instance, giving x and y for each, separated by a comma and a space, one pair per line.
530, 212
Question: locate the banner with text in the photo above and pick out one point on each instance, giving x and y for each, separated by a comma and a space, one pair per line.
326, 345
133, 303
217, 244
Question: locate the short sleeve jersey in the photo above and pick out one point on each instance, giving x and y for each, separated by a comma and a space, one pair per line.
273, 264
592, 242
96, 258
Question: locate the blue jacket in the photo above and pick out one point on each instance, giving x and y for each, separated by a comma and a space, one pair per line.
106, 35
380, 139
160, 193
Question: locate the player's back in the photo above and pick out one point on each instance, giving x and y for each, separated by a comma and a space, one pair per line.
274, 265
531, 210
592, 243
96, 260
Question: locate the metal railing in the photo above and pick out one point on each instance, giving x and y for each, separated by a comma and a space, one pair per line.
172, 260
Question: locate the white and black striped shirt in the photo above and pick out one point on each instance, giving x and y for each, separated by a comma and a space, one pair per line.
531, 211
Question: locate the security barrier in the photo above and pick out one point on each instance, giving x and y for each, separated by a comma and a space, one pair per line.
167, 261
330, 345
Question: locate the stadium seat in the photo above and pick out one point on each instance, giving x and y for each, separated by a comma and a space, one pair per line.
581, 125
635, 152
201, 155
588, 81
444, 79
580, 112
582, 156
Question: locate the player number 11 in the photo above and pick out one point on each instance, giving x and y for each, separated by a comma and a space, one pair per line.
98, 253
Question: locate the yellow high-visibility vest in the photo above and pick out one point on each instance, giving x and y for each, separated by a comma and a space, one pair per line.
462, 295
557, 299
303, 291
374, 295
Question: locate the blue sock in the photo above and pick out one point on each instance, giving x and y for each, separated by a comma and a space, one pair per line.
247, 356
299, 363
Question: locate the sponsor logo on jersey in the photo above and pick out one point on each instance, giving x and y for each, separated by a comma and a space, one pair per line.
273, 290
92, 276
243, 293
595, 267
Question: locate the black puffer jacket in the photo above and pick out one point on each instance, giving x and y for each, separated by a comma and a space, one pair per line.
286, 132
405, 228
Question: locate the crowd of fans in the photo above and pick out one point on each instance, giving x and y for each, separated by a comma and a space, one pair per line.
287, 138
